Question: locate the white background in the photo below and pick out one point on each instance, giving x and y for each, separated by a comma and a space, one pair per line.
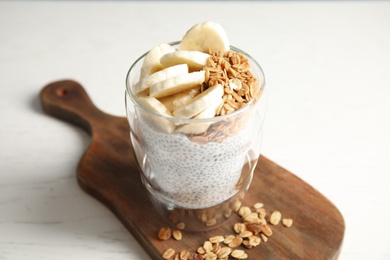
327, 69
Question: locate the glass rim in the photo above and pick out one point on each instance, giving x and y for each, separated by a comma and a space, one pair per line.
180, 120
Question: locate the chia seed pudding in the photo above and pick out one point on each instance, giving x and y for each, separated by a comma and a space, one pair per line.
193, 175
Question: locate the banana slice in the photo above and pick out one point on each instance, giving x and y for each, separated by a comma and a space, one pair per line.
196, 60
151, 62
177, 100
205, 37
198, 128
161, 75
177, 84
205, 99
154, 105
210, 111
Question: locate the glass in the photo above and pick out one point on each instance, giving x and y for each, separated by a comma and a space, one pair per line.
196, 181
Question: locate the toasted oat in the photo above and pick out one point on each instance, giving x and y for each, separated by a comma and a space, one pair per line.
201, 250
227, 213
251, 218
254, 240
211, 222
228, 239
264, 237
275, 217
184, 255
244, 210
216, 239
239, 254
239, 227
266, 230
228, 107
255, 228
204, 217
237, 241
245, 234
263, 221
247, 244
168, 253
216, 248
287, 222
177, 235
164, 233
180, 225
208, 247
258, 205
224, 252
210, 256
262, 213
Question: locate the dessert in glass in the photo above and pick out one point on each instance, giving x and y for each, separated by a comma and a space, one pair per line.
196, 109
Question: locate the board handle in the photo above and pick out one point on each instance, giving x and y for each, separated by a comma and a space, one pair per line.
67, 100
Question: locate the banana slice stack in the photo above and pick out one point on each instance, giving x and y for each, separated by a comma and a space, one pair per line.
171, 79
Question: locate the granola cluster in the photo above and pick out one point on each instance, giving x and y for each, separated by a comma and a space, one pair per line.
232, 70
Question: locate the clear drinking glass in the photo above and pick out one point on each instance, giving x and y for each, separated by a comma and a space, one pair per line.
196, 181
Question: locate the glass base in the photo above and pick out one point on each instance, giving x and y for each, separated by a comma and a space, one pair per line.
201, 219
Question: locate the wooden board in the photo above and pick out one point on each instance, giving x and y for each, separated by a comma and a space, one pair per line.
108, 171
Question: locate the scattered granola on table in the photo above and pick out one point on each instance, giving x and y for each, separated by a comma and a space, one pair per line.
251, 232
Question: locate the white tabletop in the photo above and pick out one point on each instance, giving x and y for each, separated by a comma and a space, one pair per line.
327, 68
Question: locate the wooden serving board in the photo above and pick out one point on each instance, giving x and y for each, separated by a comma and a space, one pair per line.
108, 171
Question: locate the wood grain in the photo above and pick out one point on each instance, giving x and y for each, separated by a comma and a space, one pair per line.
108, 171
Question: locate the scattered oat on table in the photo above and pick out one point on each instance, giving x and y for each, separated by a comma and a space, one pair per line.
253, 230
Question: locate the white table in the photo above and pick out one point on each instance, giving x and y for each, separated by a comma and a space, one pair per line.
327, 67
